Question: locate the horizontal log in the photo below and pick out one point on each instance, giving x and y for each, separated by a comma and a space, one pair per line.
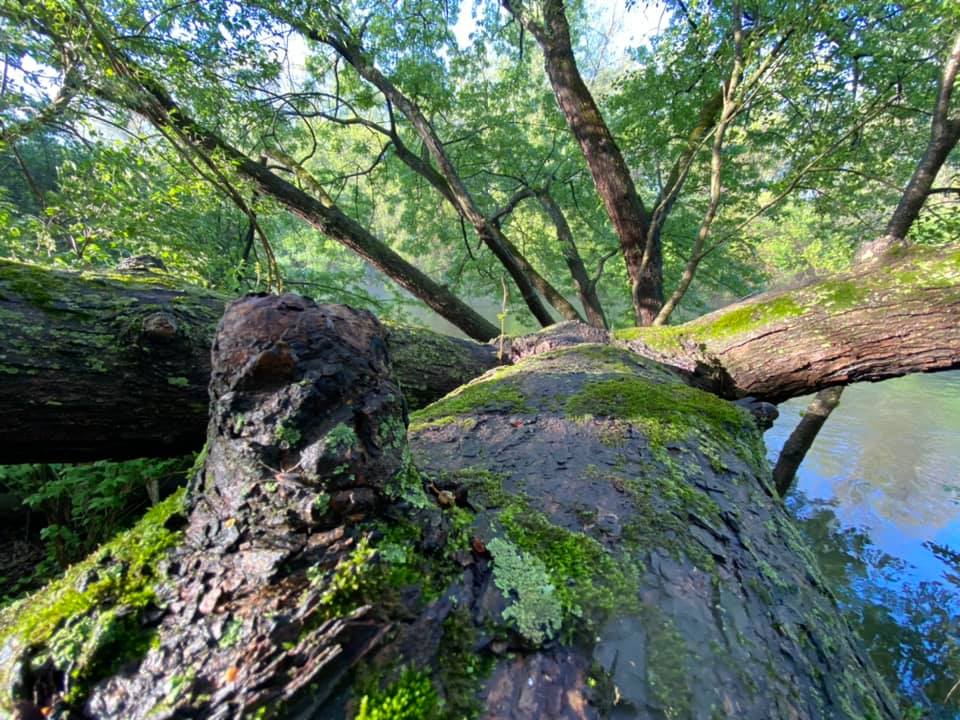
897, 316
116, 365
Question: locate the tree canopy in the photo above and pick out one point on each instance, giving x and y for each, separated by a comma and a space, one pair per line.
526, 170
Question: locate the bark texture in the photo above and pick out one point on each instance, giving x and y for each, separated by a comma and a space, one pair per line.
588, 537
607, 167
134, 350
898, 316
81, 341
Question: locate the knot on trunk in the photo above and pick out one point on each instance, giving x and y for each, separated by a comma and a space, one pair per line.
304, 411
306, 437
159, 327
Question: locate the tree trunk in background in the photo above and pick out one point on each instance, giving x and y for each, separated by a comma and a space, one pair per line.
590, 537
802, 437
607, 166
96, 366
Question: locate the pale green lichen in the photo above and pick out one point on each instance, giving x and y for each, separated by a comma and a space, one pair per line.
523, 579
590, 583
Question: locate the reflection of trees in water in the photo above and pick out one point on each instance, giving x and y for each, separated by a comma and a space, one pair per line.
891, 449
909, 629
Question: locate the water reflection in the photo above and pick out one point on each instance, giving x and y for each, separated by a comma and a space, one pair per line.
879, 498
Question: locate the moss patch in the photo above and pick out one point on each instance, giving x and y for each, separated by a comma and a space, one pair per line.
412, 697
87, 619
590, 583
489, 395
672, 413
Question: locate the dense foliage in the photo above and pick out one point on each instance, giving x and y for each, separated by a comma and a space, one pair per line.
769, 140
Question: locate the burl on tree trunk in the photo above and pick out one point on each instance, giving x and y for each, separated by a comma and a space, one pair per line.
588, 536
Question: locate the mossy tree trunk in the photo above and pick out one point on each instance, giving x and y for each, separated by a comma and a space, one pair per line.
116, 365
587, 536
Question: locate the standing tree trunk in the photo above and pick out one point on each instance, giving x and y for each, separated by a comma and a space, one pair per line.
588, 537
609, 170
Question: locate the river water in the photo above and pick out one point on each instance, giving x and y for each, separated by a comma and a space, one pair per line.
879, 498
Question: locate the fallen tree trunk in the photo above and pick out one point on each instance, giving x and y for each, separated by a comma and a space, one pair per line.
589, 537
897, 316
111, 367
96, 366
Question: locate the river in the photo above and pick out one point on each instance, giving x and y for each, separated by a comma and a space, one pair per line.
879, 498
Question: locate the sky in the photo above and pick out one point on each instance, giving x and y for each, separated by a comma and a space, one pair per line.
622, 27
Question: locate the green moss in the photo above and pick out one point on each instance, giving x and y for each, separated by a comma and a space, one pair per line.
750, 317
340, 438
87, 619
590, 583
484, 488
840, 294
671, 412
408, 484
287, 434
662, 338
490, 395
523, 579
411, 697
669, 670
461, 670
31, 282
178, 381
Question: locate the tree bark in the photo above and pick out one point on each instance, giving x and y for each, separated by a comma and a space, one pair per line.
151, 100
586, 288
900, 315
944, 135
117, 366
617, 553
803, 436
138, 353
607, 166
341, 40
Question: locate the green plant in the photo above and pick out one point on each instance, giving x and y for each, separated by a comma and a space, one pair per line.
84, 505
